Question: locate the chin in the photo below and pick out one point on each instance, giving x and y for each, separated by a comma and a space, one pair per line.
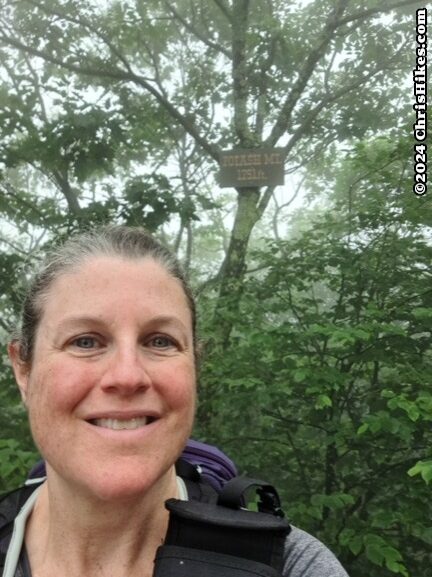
121, 480
130, 481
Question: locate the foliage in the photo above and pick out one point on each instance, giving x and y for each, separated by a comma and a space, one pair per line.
15, 464
329, 370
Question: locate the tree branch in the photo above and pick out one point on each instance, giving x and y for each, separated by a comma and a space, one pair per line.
69, 194
124, 76
224, 9
195, 32
313, 113
37, 88
9, 189
373, 11
265, 199
289, 421
279, 208
263, 86
80, 21
333, 22
239, 73
14, 246
305, 74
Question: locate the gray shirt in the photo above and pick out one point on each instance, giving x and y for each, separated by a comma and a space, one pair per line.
305, 556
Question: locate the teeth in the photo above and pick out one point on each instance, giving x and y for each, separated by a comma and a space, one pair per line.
118, 424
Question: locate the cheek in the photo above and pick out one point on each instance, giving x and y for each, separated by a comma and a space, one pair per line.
56, 388
179, 388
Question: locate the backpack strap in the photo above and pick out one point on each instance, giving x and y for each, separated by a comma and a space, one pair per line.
233, 495
214, 466
197, 488
218, 541
212, 534
11, 504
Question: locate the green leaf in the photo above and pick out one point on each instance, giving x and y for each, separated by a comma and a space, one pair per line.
423, 468
423, 313
356, 544
300, 375
323, 401
375, 553
362, 429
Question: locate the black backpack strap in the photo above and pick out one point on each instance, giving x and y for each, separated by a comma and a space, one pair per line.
215, 540
233, 495
172, 561
186, 470
196, 489
212, 534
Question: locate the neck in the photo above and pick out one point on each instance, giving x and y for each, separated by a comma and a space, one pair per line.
71, 534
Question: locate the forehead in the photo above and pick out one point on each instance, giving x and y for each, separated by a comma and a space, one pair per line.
102, 282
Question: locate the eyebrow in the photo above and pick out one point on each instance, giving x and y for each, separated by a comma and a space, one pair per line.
70, 322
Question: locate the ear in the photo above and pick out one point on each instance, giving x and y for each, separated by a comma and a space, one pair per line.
21, 368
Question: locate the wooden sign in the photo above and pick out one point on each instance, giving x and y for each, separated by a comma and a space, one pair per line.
254, 167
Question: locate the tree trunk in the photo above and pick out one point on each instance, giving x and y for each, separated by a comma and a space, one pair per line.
234, 266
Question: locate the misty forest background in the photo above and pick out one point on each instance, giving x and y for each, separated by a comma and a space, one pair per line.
315, 298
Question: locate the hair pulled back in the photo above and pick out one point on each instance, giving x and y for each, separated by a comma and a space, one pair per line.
112, 240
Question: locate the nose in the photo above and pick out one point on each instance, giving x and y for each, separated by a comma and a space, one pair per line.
126, 372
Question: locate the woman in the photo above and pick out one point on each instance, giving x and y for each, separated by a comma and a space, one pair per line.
105, 363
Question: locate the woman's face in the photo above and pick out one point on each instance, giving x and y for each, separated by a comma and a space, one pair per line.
111, 387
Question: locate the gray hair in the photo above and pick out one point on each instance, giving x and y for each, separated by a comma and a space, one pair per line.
123, 241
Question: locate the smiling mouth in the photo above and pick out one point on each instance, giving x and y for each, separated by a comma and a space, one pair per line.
122, 424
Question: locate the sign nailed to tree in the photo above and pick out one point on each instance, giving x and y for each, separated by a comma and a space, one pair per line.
253, 167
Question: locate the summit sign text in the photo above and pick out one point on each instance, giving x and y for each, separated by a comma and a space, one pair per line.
245, 168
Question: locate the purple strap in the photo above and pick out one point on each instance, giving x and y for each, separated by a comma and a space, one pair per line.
215, 467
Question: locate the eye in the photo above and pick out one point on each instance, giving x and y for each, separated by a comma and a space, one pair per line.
85, 342
162, 342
